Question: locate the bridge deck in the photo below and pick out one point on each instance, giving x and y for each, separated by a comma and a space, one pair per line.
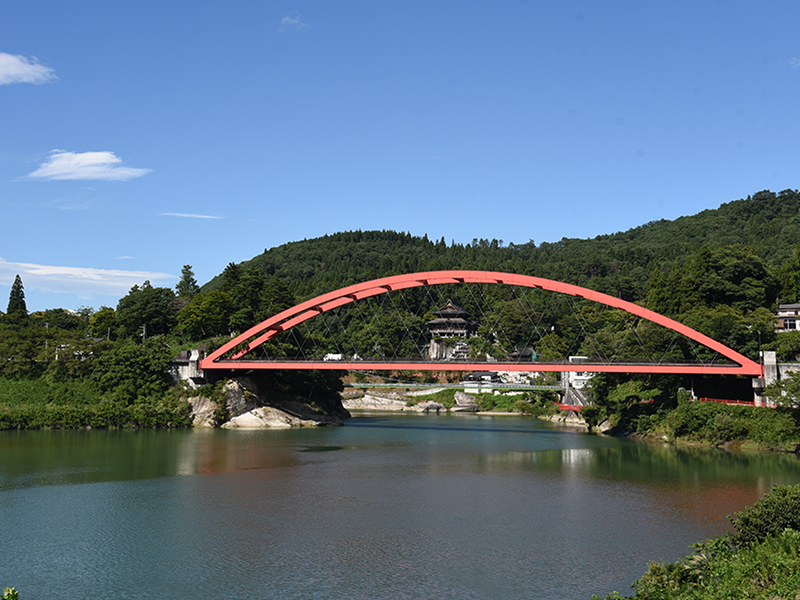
667, 368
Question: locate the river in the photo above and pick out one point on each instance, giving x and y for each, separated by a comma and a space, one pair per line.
389, 506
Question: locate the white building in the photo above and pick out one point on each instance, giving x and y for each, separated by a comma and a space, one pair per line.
788, 317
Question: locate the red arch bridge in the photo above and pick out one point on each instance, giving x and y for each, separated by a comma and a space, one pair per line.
608, 328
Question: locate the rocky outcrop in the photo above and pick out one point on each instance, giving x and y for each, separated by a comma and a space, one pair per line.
371, 401
238, 399
267, 416
570, 418
465, 403
203, 411
607, 428
243, 405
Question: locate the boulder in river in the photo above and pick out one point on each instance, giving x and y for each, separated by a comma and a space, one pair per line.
465, 403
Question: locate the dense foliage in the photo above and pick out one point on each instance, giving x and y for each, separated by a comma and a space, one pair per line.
759, 560
633, 407
110, 368
621, 264
39, 404
721, 272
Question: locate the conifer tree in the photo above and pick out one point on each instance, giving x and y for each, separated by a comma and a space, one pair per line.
187, 286
16, 300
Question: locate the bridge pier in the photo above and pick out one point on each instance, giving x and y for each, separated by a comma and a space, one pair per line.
186, 367
773, 372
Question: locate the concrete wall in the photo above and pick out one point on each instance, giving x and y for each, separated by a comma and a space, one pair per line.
773, 371
186, 368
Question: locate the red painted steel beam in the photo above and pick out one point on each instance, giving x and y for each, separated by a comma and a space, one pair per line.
257, 335
686, 369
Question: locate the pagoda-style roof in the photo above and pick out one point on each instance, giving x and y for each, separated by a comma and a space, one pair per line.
451, 310
452, 320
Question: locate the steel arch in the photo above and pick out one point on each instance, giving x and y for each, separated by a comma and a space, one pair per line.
291, 317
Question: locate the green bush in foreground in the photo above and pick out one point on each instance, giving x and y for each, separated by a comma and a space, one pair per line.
10, 594
774, 513
760, 560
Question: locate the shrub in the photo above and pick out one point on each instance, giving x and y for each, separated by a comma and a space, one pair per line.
776, 511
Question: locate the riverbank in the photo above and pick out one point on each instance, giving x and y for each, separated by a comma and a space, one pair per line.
251, 402
708, 424
704, 424
452, 400
41, 404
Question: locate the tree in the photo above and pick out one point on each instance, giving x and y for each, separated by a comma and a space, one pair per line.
777, 511
206, 315
102, 324
60, 318
20, 351
187, 286
733, 275
131, 370
146, 310
785, 392
790, 278
275, 298
246, 294
231, 276
16, 300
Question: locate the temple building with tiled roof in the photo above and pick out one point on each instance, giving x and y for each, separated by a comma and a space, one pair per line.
452, 321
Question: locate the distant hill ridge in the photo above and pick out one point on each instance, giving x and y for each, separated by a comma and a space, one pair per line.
621, 263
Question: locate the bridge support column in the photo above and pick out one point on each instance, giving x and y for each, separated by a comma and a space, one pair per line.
771, 375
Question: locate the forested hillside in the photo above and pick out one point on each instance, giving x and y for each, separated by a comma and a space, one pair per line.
721, 272
621, 264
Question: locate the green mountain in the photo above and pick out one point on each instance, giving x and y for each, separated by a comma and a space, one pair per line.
622, 264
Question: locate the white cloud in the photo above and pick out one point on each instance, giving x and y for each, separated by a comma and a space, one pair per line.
189, 216
794, 62
292, 20
83, 281
18, 69
86, 165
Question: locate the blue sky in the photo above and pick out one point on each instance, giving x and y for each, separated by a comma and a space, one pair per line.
138, 137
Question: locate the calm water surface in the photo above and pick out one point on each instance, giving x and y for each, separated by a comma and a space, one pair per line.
395, 506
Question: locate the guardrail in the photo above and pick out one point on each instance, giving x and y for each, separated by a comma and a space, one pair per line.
562, 406
470, 385
723, 401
